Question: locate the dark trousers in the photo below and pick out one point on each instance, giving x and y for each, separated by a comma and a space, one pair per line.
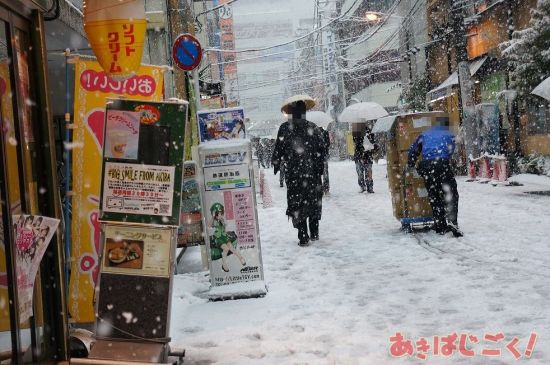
282, 174
442, 191
364, 175
326, 186
303, 231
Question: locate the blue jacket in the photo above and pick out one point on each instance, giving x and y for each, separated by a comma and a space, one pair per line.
435, 143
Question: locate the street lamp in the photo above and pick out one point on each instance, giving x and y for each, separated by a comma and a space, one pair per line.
372, 16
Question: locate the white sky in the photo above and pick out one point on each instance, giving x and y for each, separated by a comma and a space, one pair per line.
296, 9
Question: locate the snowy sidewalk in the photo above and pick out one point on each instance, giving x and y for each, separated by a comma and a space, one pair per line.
340, 300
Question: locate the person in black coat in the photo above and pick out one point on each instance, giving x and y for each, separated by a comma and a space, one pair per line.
326, 140
300, 146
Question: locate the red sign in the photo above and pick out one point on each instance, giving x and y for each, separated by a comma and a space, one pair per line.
187, 52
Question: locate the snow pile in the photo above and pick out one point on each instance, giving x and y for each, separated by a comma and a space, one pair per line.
534, 164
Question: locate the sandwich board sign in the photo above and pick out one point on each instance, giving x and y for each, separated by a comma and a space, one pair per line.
139, 213
231, 220
143, 162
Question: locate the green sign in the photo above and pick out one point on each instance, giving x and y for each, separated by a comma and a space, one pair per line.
491, 86
142, 162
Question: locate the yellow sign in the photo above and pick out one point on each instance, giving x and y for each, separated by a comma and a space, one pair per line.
92, 88
10, 146
116, 31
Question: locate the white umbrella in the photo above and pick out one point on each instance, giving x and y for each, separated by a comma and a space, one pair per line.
308, 100
321, 119
543, 89
362, 112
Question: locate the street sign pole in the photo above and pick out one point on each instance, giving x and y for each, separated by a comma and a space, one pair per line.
197, 89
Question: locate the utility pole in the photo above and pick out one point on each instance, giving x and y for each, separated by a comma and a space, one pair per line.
466, 98
341, 100
180, 20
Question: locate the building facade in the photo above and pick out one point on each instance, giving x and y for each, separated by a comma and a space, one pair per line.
476, 34
28, 185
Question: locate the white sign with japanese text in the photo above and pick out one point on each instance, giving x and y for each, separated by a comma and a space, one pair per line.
138, 189
136, 250
232, 233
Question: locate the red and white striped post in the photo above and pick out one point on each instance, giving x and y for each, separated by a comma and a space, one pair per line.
485, 169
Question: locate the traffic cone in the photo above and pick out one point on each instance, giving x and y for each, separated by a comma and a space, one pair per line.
500, 170
485, 168
472, 170
496, 170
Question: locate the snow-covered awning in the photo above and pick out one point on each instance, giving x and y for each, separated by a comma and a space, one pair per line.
445, 88
384, 124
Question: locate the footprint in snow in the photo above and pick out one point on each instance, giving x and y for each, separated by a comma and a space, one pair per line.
205, 345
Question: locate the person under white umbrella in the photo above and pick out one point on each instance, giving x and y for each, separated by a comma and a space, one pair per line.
365, 145
362, 112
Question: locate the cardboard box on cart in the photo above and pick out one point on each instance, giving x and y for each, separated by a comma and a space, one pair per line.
409, 195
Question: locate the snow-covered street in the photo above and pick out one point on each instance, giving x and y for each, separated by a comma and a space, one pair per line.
340, 300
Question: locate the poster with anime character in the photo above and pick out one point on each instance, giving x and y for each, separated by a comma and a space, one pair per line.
221, 124
32, 237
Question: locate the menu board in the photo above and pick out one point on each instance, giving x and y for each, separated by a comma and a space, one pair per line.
136, 250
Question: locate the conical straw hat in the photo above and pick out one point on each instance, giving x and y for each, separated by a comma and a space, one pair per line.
308, 100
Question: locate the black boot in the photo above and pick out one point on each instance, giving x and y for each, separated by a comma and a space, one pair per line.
314, 229
370, 187
302, 234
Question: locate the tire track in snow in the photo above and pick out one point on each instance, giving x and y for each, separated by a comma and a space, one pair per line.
425, 244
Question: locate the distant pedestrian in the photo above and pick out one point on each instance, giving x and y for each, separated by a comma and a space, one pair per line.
299, 145
437, 146
260, 153
269, 147
363, 157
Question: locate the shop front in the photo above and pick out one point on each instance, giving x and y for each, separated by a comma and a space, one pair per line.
33, 327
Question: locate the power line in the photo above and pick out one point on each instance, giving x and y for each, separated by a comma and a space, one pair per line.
281, 44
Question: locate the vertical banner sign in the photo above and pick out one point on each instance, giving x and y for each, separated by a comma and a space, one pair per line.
116, 31
32, 237
221, 124
190, 229
232, 237
225, 16
143, 162
469, 128
92, 88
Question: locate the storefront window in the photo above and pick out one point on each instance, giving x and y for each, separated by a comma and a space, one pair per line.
18, 171
539, 116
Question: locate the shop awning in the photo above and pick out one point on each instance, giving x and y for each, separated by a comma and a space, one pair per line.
384, 124
445, 88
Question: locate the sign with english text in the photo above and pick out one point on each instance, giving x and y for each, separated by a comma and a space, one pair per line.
232, 234
142, 162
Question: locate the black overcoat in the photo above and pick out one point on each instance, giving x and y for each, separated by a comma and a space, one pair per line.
301, 146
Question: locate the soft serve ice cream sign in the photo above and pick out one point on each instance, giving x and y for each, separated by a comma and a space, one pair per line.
122, 134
